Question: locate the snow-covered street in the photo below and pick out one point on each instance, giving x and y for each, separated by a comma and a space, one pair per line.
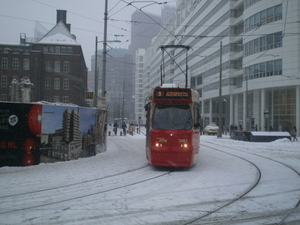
234, 182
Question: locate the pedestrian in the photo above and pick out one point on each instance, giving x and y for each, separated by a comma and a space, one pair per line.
294, 134
115, 129
124, 126
231, 131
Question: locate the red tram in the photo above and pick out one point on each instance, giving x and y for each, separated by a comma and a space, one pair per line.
172, 126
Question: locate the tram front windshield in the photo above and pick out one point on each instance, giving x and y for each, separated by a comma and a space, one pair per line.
172, 117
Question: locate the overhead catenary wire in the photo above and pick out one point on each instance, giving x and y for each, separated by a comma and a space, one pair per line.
140, 9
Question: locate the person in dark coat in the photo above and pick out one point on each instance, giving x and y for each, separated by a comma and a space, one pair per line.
124, 126
294, 134
115, 129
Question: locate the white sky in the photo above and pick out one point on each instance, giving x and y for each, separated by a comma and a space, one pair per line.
85, 17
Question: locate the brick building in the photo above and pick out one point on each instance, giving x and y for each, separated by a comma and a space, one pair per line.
54, 64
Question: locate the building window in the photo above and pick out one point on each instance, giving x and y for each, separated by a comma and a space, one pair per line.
48, 66
270, 68
269, 41
66, 84
57, 49
4, 63
56, 99
70, 50
3, 81
47, 83
263, 17
65, 99
206, 107
57, 66
16, 51
199, 80
3, 97
51, 49
47, 98
25, 64
45, 50
66, 66
278, 67
15, 64
63, 50
56, 84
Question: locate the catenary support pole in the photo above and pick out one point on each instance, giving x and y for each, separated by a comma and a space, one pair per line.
220, 95
104, 51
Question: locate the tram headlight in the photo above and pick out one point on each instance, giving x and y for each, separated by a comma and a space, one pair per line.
158, 145
185, 145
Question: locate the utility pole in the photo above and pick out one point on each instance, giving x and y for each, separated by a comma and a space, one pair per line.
123, 109
96, 76
104, 51
220, 95
246, 105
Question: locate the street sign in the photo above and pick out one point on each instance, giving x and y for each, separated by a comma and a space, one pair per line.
89, 95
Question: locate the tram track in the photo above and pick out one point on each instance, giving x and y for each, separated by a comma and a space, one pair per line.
72, 184
288, 213
240, 196
63, 189
282, 215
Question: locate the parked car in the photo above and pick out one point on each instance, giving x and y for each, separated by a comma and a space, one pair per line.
211, 128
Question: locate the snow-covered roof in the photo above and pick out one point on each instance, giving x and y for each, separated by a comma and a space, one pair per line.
56, 103
59, 35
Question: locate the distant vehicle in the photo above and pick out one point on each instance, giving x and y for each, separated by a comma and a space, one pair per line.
211, 128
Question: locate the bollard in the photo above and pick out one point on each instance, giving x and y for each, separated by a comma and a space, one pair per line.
109, 133
137, 130
121, 133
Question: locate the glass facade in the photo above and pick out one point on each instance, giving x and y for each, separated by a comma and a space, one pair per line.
282, 109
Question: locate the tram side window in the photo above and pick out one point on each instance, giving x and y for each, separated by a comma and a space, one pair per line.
172, 117
196, 115
147, 109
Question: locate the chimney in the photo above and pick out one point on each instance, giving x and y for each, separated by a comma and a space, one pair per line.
62, 16
22, 38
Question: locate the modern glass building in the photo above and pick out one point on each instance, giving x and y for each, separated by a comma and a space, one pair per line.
248, 47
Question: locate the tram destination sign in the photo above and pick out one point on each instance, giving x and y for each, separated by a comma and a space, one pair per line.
172, 93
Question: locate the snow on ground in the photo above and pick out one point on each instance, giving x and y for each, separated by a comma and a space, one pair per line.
119, 187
